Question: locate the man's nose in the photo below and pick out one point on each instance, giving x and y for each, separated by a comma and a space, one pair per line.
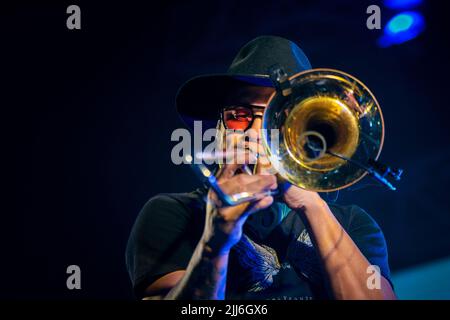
257, 123
253, 133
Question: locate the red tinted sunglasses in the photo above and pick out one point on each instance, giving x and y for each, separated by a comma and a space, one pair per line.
240, 117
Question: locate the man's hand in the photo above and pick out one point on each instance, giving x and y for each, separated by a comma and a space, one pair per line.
295, 198
299, 199
223, 227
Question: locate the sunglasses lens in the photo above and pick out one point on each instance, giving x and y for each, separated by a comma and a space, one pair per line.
238, 118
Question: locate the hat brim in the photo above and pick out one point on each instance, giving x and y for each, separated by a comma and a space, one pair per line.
202, 97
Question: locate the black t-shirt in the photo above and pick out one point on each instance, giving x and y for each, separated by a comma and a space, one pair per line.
275, 258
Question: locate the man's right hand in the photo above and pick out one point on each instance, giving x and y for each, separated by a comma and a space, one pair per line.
223, 227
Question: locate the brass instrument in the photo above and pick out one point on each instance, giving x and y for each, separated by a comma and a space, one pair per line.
330, 132
330, 126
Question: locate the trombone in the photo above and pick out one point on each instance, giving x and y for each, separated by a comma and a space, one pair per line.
330, 133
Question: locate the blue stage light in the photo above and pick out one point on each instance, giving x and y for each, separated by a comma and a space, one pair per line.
400, 23
402, 4
424, 282
401, 28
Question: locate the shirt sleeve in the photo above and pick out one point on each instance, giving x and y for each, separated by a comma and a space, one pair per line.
158, 243
369, 238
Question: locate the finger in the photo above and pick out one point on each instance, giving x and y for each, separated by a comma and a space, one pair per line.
251, 184
225, 156
238, 198
228, 170
259, 205
252, 147
242, 155
263, 165
236, 183
255, 147
265, 183
247, 170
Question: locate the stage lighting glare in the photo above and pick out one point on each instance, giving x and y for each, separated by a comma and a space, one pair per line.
402, 4
402, 27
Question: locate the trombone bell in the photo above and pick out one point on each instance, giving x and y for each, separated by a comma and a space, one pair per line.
327, 113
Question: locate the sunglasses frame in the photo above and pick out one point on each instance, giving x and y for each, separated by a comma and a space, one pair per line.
246, 106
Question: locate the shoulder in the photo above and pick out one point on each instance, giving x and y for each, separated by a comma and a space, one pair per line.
166, 215
366, 233
352, 217
182, 202
163, 237
362, 228
172, 204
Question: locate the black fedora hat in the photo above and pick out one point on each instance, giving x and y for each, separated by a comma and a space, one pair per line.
201, 98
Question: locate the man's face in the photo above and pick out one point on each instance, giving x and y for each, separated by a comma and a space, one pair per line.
247, 112
246, 117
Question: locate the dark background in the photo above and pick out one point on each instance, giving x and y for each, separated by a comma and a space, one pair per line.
87, 117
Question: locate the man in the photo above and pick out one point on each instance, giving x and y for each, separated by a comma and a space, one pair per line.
297, 247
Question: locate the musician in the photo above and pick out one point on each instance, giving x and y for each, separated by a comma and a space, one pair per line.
296, 246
